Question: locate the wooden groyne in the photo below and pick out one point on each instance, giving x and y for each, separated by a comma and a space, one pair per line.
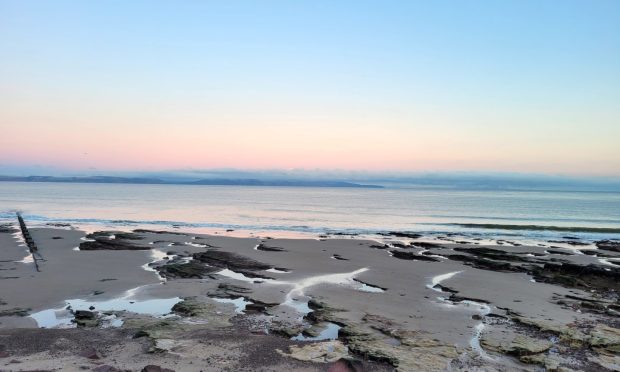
32, 247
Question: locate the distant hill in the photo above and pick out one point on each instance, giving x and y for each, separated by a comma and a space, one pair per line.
209, 181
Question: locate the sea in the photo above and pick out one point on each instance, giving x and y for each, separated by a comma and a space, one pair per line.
312, 211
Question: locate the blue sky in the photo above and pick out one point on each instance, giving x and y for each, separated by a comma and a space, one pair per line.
519, 86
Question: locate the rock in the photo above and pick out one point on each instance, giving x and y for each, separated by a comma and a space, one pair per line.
189, 270
412, 256
191, 307
232, 261
140, 334
262, 247
570, 335
17, 311
524, 345
608, 245
232, 289
426, 245
255, 308
90, 353
84, 314
345, 365
111, 244
485, 264
285, 330
154, 368
579, 276
521, 346
376, 246
492, 254
7, 228
320, 352
609, 362
400, 234
85, 318
605, 339
162, 345
106, 368
4, 354
414, 352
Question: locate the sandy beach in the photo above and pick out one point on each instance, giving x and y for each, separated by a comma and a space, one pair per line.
114, 300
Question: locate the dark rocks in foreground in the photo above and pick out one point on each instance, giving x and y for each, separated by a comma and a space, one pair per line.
113, 241
579, 276
485, 263
400, 234
403, 255
111, 244
154, 368
232, 261
493, 254
609, 245
7, 228
186, 270
265, 248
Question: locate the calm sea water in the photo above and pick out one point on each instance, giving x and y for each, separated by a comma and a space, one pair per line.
313, 210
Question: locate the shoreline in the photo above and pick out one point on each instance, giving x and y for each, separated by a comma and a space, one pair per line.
338, 293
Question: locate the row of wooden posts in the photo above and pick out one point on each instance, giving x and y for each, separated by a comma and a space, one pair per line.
32, 247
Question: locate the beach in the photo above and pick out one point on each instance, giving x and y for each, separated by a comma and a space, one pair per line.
398, 301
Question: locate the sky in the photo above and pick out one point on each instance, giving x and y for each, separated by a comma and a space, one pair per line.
404, 86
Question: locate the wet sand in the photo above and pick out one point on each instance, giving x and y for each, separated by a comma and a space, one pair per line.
305, 304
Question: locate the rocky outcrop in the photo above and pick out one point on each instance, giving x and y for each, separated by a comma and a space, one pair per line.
7, 228
85, 318
320, 352
579, 276
413, 351
519, 346
105, 243
191, 307
232, 261
266, 248
186, 270
605, 339
492, 254
405, 255
154, 368
608, 245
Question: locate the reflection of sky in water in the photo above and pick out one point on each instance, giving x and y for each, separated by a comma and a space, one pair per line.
301, 210
329, 333
240, 303
61, 317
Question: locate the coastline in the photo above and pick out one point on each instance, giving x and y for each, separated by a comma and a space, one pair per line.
384, 301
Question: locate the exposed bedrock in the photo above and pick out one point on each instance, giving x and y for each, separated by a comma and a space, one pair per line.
403, 255
609, 245
493, 254
579, 276
7, 228
107, 240
232, 261
266, 248
186, 270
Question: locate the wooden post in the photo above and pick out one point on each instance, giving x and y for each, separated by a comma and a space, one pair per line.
32, 247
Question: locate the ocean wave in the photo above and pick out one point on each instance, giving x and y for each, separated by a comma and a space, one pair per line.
489, 230
583, 229
541, 219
